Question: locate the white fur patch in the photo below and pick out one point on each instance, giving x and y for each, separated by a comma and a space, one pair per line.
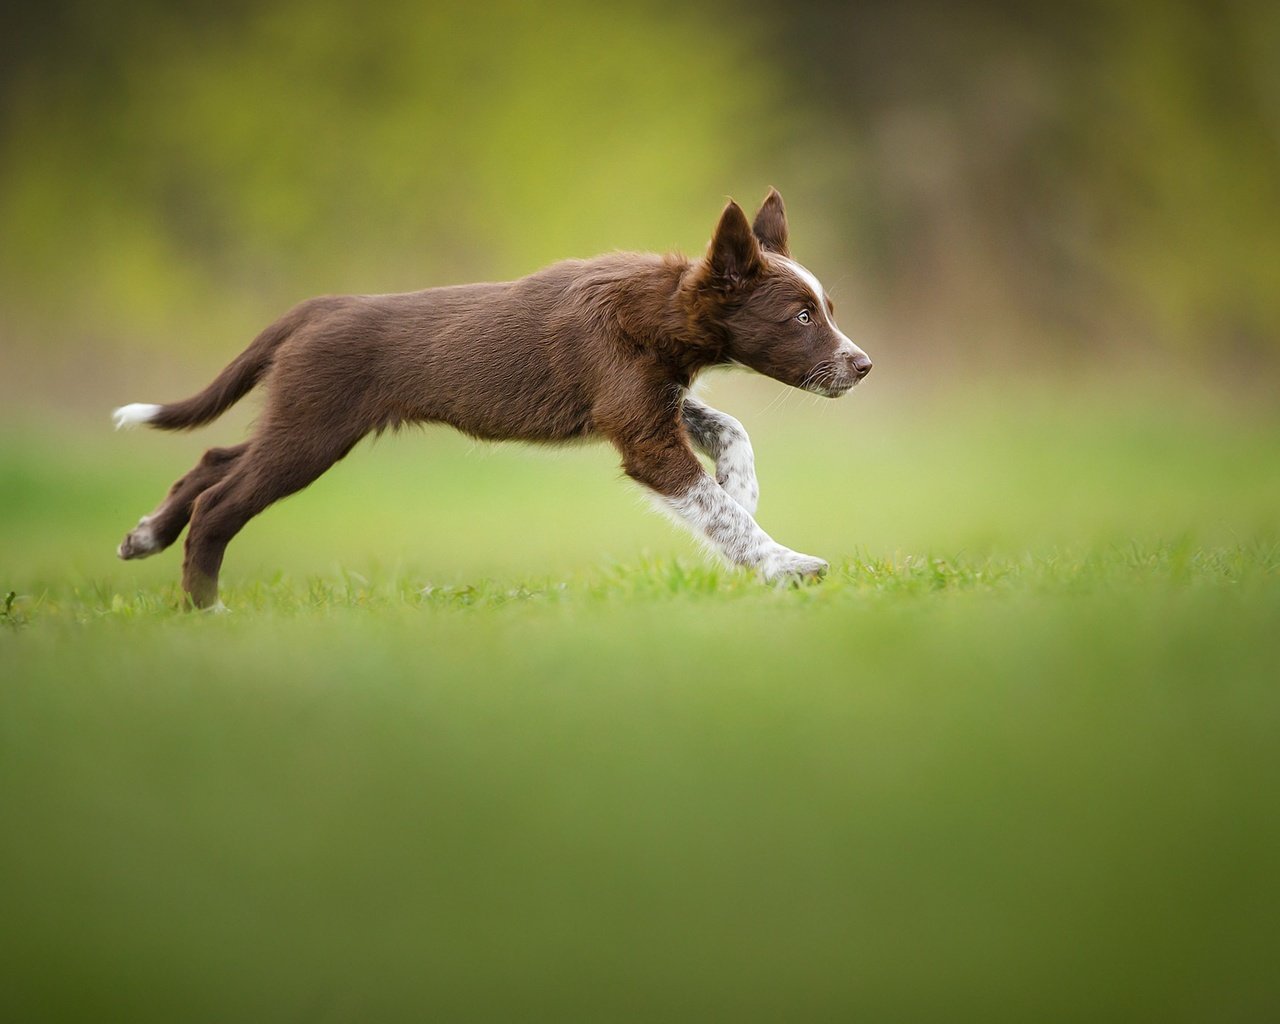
846, 347
722, 438
711, 514
736, 471
141, 541
806, 275
810, 281
807, 278
129, 416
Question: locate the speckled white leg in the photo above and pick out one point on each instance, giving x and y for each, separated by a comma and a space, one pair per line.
709, 511
721, 437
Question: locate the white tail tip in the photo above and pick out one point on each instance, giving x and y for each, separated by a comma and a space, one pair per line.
129, 416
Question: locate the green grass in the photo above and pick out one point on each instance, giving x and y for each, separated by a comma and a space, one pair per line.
482, 739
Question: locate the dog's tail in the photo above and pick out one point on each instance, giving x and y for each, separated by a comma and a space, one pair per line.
231, 385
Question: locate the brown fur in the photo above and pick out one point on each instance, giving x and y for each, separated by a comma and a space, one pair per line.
603, 347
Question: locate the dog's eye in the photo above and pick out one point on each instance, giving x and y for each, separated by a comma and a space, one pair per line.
803, 316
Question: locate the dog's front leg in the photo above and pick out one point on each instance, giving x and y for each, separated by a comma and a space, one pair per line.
722, 438
667, 467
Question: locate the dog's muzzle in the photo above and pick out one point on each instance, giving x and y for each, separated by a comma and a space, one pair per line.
852, 365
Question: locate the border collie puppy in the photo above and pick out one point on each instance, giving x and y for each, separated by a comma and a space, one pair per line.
605, 347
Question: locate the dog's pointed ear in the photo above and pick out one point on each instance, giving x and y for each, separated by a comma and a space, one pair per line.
734, 256
771, 224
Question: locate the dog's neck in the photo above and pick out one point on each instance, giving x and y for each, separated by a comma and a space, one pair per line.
656, 304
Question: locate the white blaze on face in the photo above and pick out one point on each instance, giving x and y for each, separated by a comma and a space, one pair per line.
810, 281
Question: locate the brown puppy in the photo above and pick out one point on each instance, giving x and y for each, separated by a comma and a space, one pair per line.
604, 347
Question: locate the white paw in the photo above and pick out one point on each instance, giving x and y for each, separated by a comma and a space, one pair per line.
140, 542
791, 566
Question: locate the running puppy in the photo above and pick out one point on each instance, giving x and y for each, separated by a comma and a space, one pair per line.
605, 347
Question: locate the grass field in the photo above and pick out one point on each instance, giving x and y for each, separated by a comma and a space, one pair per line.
485, 739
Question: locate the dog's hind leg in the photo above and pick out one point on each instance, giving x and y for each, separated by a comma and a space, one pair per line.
272, 468
721, 438
157, 531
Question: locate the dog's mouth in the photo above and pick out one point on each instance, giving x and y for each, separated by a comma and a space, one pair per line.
837, 377
849, 367
836, 388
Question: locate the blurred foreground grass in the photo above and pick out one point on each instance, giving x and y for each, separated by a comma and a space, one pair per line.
484, 740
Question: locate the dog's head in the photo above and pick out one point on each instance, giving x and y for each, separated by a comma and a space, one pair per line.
773, 314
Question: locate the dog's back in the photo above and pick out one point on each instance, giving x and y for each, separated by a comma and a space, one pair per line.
526, 359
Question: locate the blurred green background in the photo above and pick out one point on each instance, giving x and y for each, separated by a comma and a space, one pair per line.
483, 738
1063, 184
